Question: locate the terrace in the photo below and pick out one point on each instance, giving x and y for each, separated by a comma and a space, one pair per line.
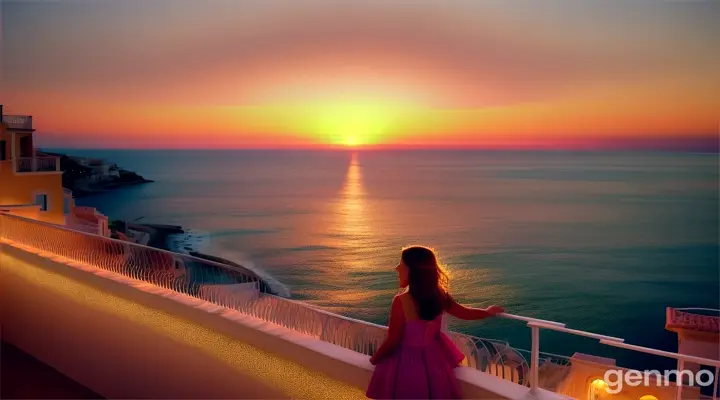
37, 164
133, 321
32, 165
18, 122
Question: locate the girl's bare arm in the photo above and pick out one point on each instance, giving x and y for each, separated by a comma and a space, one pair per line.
468, 313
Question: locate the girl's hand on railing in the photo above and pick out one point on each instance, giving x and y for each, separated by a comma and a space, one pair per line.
495, 310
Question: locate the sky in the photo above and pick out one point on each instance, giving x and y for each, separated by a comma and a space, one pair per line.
277, 73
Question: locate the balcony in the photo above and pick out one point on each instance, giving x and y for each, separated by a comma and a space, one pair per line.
18, 122
37, 164
129, 321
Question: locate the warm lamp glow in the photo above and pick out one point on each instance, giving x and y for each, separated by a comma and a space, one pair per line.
598, 387
648, 397
599, 384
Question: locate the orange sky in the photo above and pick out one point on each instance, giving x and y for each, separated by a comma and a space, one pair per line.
225, 73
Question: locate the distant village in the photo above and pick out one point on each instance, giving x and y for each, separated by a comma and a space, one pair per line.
85, 176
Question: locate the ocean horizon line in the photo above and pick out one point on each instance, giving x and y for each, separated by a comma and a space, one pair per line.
395, 149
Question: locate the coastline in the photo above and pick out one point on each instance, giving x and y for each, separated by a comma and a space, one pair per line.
161, 235
85, 192
158, 233
88, 176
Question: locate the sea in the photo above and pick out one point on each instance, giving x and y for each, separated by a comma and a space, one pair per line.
602, 241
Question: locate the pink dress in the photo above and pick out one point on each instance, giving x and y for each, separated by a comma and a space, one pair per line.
421, 367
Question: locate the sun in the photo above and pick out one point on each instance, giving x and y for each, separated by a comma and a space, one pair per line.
352, 125
351, 141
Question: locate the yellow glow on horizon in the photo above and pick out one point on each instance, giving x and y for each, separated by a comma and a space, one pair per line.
360, 121
351, 124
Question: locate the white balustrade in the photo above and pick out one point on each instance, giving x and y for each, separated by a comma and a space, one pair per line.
37, 164
158, 267
23, 122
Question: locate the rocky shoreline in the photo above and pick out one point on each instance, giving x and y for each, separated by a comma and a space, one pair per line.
88, 176
158, 233
84, 192
158, 238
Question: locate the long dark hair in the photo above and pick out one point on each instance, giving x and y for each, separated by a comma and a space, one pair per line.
428, 281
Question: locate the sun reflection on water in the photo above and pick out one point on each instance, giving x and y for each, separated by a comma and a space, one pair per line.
353, 232
352, 211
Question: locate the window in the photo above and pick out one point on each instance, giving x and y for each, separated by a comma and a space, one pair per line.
41, 200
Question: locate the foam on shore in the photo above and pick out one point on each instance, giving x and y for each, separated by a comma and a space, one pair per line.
197, 243
189, 241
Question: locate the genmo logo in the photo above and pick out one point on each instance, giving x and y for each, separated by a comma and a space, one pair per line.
616, 379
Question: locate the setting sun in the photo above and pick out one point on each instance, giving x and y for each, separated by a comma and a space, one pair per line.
353, 124
350, 141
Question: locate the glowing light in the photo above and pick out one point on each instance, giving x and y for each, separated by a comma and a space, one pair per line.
648, 397
352, 124
598, 389
599, 384
351, 141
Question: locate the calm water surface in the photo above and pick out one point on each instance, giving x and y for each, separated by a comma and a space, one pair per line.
601, 241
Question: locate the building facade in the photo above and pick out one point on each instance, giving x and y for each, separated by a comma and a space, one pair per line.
31, 182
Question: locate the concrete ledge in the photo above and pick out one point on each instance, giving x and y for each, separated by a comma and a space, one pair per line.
122, 347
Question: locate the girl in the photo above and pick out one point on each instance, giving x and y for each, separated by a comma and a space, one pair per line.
416, 361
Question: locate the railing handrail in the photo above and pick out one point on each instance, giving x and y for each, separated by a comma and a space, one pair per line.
15, 121
662, 353
575, 332
234, 268
530, 319
133, 244
503, 315
698, 309
36, 163
343, 317
80, 221
38, 157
